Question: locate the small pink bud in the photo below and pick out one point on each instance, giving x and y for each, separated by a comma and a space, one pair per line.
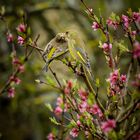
10, 37
21, 28
58, 111
123, 78
95, 26
20, 40
78, 123
21, 68
134, 33
51, 136
17, 81
107, 47
59, 101
67, 90
11, 92
16, 61
74, 132
69, 84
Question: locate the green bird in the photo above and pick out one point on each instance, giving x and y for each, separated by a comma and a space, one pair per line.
69, 46
55, 49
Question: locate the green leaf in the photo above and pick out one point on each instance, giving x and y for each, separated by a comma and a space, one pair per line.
28, 31
97, 82
53, 120
49, 107
50, 80
37, 81
121, 46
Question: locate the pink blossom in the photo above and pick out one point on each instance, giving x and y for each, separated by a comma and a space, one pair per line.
78, 116
11, 92
96, 110
66, 90
83, 94
51, 136
10, 37
74, 132
21, 68
114, 76
20, 40
69, 84
59, 101
21, 28
108, 125
107, 47
16, 61
136, 51
15, 79
136, 16
95, 26
87, 134
112, 23
123, 78
83, 106
78, 123
133, 33
58, 111
125, 20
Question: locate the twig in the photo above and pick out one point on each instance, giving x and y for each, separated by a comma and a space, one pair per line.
129, 112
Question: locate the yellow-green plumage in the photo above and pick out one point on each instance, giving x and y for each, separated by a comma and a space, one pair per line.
73, 43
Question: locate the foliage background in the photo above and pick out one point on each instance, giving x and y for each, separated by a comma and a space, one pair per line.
26, 117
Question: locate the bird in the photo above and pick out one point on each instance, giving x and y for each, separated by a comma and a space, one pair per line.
67, 45
56, 48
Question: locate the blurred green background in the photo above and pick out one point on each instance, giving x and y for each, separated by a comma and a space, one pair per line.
26, 117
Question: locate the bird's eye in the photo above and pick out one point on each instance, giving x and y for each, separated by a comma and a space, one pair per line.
60, 39
67, 32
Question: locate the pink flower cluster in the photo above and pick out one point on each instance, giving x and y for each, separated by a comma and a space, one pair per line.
125, 20
136, 16
83, 94
16, 62
112, 23
108, 125
15, 79
58, 110
96, 110
116, 82
21, 27
20, 40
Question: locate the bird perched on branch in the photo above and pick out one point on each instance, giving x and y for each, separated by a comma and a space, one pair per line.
69, 46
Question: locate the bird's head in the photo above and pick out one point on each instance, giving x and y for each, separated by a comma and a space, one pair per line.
61, 38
